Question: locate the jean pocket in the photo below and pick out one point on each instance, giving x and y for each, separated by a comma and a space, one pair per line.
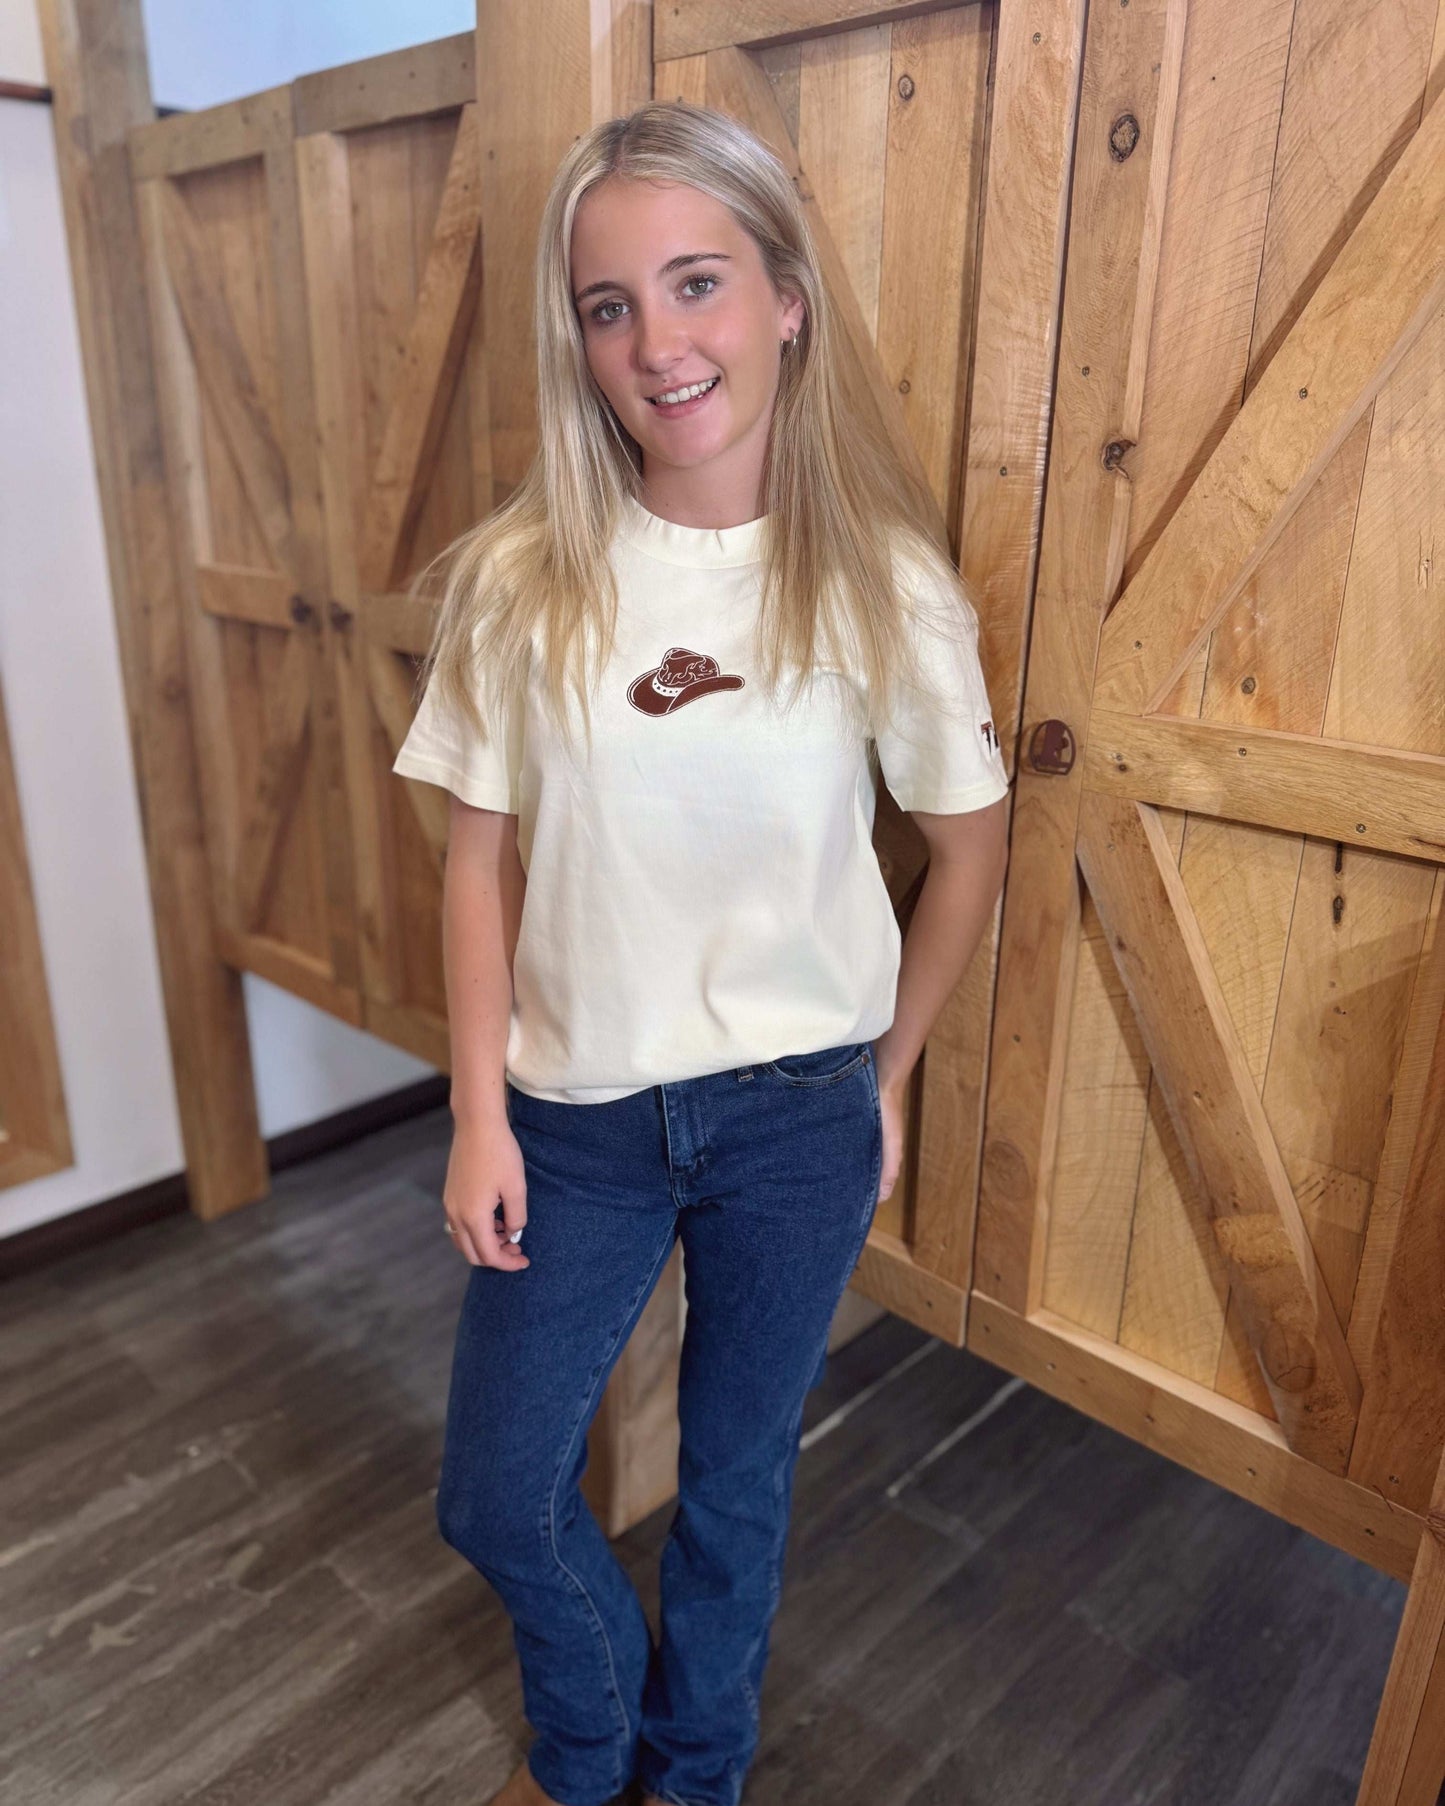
825, 1066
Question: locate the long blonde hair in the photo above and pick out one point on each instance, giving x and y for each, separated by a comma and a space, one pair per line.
848, 531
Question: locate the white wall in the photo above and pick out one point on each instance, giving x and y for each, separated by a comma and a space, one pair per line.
59, 662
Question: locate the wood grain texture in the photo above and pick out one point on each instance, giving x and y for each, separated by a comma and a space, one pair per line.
1365, 796
96, 67
427, 368
1221, 1125
687, 27
1131, 65
1385, 285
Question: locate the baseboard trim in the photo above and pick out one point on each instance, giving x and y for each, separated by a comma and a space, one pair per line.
45, 1243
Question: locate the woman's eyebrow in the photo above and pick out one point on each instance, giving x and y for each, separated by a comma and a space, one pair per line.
673, 263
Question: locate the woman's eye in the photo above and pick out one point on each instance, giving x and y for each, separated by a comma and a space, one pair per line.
603, 318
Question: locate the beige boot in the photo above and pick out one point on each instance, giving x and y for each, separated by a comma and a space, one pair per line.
521, 1790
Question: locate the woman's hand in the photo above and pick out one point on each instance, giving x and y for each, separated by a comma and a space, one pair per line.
891, 1098
486, 1165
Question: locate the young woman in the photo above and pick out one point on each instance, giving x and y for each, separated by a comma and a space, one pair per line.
665, 675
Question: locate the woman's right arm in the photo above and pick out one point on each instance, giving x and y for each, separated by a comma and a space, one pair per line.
482, 895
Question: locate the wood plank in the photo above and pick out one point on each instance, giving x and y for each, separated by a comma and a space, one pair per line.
1368, 796
291, 968
738, 86
427, 369
1194, 1050
686, 27
209, 137
96, 66
400, 621
888, 1273
1131, 65
391, 698
280, 768
1382, 289
324, 175
229, 380
190, 501
1031, 131
233, 592
297, 383
933, 192
1195, 1427
400, 84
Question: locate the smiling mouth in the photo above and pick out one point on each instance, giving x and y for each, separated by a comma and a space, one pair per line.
692, 392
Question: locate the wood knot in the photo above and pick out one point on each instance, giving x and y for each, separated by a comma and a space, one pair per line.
1123, 137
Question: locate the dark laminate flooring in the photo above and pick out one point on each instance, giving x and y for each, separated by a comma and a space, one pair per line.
221, 1581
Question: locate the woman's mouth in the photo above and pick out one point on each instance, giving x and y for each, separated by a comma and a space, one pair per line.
687, 399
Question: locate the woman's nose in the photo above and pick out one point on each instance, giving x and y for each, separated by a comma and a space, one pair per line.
660, 346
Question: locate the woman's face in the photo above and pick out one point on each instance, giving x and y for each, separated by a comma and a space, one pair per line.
671, 292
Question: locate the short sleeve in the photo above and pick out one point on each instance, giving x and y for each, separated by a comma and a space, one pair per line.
441, 748
941, 752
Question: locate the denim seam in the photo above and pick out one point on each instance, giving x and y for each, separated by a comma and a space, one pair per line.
812, 1082
550, 1512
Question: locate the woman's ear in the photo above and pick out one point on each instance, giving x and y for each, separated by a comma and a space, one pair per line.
794, 314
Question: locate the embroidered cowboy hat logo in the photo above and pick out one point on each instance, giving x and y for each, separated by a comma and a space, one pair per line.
682, 677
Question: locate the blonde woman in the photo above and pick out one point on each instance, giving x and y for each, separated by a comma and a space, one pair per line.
665, 676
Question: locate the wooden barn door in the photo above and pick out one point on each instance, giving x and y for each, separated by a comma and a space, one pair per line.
389, 160
313, 270
931, 154
1213, 1170
216, 194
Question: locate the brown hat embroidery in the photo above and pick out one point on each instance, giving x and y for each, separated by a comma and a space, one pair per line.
682, 677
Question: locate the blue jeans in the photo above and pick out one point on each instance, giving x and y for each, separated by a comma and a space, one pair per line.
769, 1173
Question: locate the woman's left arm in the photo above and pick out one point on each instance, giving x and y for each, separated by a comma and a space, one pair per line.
967, 856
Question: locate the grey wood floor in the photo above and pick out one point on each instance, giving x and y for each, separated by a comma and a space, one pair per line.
221, 1582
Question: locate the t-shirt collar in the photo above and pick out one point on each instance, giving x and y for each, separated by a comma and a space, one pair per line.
675, 544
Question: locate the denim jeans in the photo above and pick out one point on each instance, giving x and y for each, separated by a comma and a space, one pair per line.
769, 1173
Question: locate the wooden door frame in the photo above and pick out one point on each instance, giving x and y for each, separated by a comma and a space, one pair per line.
96, 68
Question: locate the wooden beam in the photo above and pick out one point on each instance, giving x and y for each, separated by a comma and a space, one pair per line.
428, 78
1226, 1139
229, 133
235, 592
427, 369
1385, 284
96, 64
888, 1273
688, 27
1367, 796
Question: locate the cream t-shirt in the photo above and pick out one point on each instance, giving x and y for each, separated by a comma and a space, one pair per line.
704, 893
